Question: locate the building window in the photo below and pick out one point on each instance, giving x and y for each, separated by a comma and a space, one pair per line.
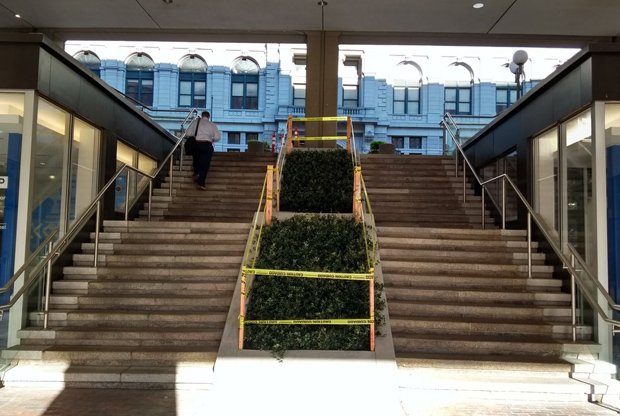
505, 96
244, 84
350, 96
398, 142
193, 82
406, 100
251, 137
139, 80
90, 60
415, 142
458, 100
299, 95
234, 138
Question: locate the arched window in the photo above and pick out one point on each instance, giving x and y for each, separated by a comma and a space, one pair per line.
90, 60
407, 83
458, 91
244, 84
139, 80
193, 82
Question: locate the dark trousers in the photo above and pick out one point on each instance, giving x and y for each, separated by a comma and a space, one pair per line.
202, 160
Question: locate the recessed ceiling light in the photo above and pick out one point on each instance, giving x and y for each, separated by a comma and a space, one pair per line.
18, 15
478, 5
52, 176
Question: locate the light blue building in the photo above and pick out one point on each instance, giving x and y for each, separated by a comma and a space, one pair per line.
393, 94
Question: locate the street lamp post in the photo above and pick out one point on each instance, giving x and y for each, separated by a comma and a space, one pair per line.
516, 67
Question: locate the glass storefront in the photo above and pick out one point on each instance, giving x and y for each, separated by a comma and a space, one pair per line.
84, 168
11, 130
547, 179
580, 210
50, 156
130, 180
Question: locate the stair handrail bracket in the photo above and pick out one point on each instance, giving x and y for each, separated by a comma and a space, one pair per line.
582, 278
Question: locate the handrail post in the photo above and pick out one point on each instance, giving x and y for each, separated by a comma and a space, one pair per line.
349, 129
483, 205
242, 307
573, 300
48, 285
529, 245
464, 182
357, 194
127, 196
171, 179
150, 198
289, 134
503, 202
97, 221
371, 295
269, 195
277, 175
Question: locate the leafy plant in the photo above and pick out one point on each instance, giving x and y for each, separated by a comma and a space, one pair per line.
311, 243
374, 146
317, 181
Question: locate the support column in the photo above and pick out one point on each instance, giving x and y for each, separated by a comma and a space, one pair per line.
322, 84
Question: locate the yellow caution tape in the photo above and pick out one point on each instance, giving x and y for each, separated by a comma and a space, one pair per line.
338, 118
311, 275
308, 322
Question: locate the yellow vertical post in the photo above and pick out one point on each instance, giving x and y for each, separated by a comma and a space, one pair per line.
357, 194
242, 308
289, 134
269, 196
349, 131
371, 284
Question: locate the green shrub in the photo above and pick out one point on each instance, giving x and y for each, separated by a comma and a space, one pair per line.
317, 181
374, 146
311, 243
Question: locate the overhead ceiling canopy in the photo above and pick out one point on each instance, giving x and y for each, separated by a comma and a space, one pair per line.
499, 22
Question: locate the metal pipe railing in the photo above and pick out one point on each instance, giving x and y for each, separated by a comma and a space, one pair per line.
567, 264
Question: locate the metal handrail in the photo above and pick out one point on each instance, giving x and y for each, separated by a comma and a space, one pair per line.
531, 214
77, 225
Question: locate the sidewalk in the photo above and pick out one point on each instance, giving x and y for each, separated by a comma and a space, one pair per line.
105, 402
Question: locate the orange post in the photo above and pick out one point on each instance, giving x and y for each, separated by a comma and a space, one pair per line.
273, 143
349, 131
371, 284
269, 196
242, 309
277, 173
289, 134
357, 194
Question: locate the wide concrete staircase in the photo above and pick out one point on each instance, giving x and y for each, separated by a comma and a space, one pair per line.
463, 312
152, 313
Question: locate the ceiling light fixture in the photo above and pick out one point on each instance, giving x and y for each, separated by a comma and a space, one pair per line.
18, 15
167, 1
478, 5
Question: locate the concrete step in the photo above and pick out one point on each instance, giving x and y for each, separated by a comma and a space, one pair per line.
176, 237
460, 256
498, 282
415, 243
456, 295
133, 272
404, 327
478, 310
461, 268
374, 192
209, 301
206, 337
479, 345
451, 233
101, 318
126, 287
157, 261
175, 227
187, 248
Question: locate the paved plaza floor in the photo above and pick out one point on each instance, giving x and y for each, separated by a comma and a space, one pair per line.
107, 402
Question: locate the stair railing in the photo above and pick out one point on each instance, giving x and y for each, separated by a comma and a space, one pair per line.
584, 281
55, 250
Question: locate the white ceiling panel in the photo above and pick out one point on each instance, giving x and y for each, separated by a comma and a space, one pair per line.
574, 20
